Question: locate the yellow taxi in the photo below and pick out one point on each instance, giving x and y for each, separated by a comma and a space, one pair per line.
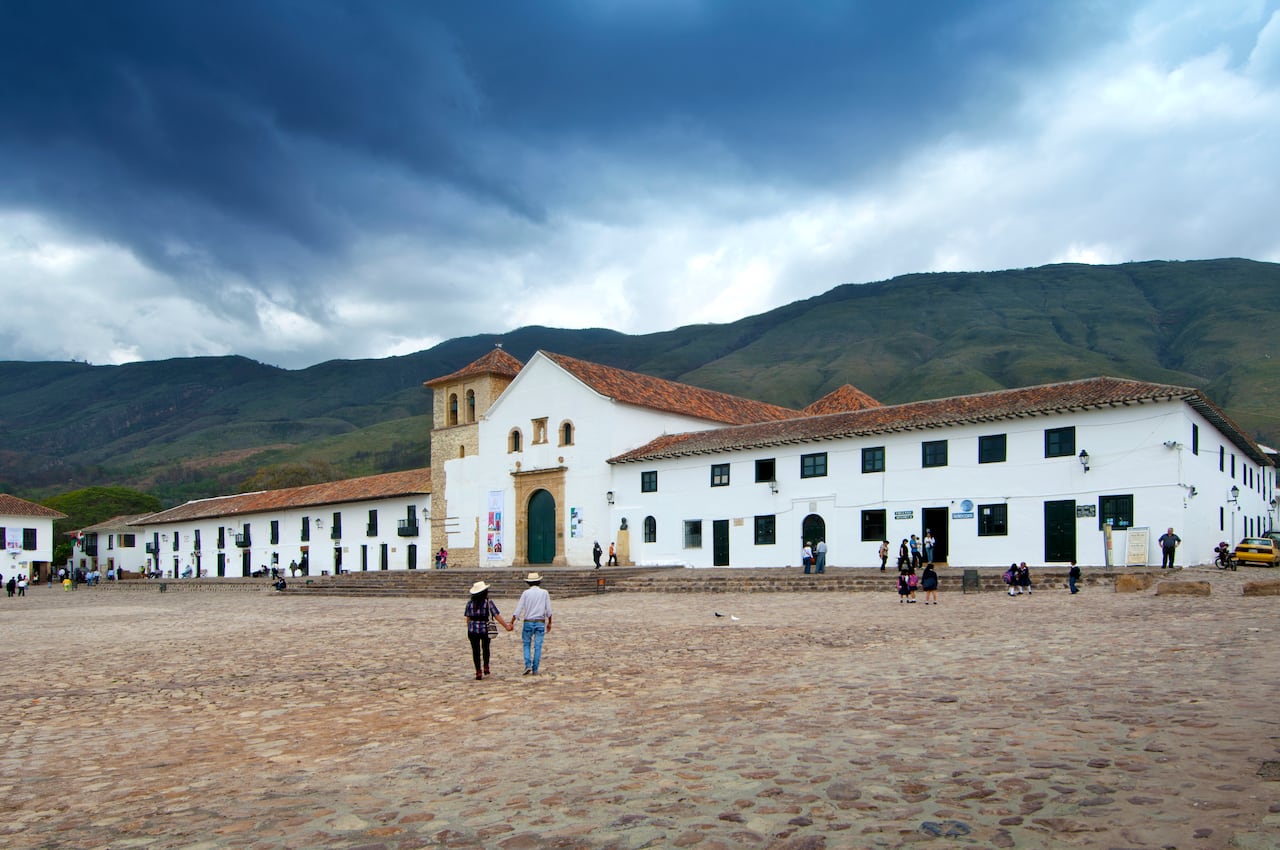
1258, 552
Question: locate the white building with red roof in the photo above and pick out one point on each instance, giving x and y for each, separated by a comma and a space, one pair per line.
26, 530
560, 453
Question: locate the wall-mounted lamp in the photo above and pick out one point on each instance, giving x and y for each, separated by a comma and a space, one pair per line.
1172, 444
1084, 459
1191, 491
164, 536
426, 513
1273, 504
609, 497
319, 523
1235, 494
773, 486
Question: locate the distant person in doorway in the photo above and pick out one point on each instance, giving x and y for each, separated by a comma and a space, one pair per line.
1168, 546
820, 564
534, 608
929, 543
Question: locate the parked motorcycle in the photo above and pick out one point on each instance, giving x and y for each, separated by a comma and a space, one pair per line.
1225, 559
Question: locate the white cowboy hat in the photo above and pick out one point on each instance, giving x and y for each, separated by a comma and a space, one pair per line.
478, 587
532, 577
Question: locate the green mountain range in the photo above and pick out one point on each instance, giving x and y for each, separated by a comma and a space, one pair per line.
188, 428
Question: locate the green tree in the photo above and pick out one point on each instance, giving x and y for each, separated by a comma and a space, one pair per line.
93, 505
283, 475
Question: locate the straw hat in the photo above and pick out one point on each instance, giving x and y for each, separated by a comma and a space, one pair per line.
533, 578
478, 587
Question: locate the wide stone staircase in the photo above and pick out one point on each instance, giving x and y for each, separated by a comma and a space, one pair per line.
455, 582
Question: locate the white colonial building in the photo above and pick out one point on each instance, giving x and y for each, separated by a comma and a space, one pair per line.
373, 523
533, 463
26, 529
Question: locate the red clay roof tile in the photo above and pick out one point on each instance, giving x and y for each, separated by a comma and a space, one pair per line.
13, 506
409, 483
496, 362
841, 400
669, 396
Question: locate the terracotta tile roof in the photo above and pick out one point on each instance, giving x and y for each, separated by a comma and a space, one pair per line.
496, 362
669, 396
13, 506
116, 523
939, 413
409, 483
840, 400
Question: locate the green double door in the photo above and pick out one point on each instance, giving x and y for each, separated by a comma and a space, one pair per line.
541, 538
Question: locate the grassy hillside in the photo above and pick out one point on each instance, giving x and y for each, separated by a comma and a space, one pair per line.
195, 427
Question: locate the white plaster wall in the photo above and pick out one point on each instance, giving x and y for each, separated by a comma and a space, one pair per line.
1127, 456
17, 561
322, 548
602, 429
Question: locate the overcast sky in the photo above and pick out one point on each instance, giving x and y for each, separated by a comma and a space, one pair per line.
302, 180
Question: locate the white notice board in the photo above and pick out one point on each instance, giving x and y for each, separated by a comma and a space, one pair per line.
1136, 552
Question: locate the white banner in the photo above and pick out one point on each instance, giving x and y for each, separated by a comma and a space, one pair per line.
494, 537
13, 538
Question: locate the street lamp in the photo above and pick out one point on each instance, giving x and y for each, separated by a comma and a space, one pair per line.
1235, 500
1084, 459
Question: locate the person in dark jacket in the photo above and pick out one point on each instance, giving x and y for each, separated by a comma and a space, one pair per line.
929, 584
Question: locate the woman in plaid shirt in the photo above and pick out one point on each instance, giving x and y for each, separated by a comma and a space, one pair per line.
478, 611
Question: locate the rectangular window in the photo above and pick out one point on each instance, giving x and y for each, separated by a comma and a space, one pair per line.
306, 530
1060, 442
719, 475
1195, 439
275, 532
814, 465
873, 459
874, 526
1222, 458
222, 537
693, 534
372, 530
130, 541
335, 530
1233, 465
933, 453
649, 482
1117, 509
29, 539
992, 448
766, 470
177, 538
111, 542
766, 530
993, 520
195, 536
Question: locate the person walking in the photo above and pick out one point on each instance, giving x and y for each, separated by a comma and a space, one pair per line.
613, 556
806, 557
12, 584
596, 552
1168, 546
1073, 576
534, 608
929, 584
821, 562
22, 584
884, 554
478, 612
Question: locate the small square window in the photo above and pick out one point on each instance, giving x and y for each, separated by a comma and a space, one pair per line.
933, 453
875, 525
1117, 509
766, 530
993, 520
1060, 442
766, 470
649, 482
693, 534
719, 475
991, 449
873, 459
814, 465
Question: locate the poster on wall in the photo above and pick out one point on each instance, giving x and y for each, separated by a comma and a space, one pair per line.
13, 539
493, 533
575, 522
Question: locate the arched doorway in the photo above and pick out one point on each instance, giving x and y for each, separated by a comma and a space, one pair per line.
813, 529
541, 526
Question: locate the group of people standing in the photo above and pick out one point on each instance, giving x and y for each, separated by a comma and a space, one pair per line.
814, 558
15, 585
909, 583
912, 552
483, 620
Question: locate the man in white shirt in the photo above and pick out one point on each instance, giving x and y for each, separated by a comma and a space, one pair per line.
534, 608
